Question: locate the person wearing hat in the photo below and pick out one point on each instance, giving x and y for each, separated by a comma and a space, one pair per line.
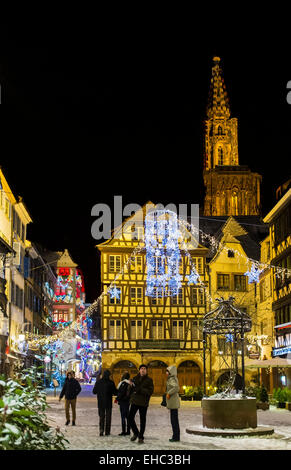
104, 388
143, 388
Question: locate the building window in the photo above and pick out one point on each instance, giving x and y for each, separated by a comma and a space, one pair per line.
137, 232
224, 346
240, 282
136, 264
230, 253
198, 263
115, 331
220, 156
117, 299
157, 329
156, 298
136, 329
178, 329
178, 299
263, 290
114, 263
197, 296
159, 265
223, 281
136, 296
196, 330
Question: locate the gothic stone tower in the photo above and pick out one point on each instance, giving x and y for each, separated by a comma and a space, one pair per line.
231, 189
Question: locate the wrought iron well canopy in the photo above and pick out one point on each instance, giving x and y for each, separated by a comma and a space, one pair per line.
226, 319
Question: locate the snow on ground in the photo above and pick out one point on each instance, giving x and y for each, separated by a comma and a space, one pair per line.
85, 435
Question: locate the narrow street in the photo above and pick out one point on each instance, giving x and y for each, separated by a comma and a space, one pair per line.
85, 435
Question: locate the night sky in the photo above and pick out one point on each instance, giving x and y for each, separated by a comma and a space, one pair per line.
82, 124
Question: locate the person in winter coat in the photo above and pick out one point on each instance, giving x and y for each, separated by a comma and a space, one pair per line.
173, 401
143, 388
70, 390
104, 388
123, 395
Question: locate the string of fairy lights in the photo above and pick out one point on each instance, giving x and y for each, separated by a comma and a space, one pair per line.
161, 241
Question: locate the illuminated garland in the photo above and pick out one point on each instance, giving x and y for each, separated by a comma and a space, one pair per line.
192, 278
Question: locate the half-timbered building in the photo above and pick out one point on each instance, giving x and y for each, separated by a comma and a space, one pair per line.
157, 331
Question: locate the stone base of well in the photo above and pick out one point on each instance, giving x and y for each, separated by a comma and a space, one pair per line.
226, 413
258, 431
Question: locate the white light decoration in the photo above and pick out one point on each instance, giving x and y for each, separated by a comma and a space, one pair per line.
114, 293
253, 274
163, 255
193, 277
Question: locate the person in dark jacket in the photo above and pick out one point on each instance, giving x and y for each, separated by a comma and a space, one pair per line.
123, 396
70, 390
143, 388
104, 388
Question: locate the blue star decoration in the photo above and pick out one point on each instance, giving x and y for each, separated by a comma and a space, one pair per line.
193, 277
229, 338
114, 293
254, 274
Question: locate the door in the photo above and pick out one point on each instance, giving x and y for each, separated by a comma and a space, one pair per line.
189, 375
157, 371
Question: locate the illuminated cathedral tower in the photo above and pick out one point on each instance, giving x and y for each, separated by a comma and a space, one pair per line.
231, 189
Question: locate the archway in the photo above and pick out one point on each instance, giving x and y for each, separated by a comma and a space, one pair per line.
157, 371
189, 374
224, 378
120, 367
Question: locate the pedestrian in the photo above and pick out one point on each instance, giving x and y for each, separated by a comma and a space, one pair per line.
143, 388
70, 390
104, 388
124, 389
173, 401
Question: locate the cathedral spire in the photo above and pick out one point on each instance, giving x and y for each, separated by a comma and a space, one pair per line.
231, 189
218, 103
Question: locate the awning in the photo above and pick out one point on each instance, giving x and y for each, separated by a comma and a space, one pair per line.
275, 362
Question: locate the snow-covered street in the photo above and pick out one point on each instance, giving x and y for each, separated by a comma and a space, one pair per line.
85, 435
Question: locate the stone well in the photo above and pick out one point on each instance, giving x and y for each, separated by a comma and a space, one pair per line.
229, 413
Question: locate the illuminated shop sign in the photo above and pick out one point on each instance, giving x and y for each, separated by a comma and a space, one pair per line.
281, 351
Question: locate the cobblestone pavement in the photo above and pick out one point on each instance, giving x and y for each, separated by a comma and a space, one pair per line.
85, 435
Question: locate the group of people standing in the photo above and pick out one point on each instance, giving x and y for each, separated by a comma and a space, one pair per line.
132, 395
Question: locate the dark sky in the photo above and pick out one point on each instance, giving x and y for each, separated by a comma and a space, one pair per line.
81, 124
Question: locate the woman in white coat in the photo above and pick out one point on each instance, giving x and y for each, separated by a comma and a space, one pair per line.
173, 401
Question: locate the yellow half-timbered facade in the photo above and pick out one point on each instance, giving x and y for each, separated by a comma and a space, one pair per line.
157, 331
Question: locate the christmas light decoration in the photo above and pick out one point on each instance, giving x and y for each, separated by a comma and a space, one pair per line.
229, 338
253, 274
163, 255
193, 277
114, 293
